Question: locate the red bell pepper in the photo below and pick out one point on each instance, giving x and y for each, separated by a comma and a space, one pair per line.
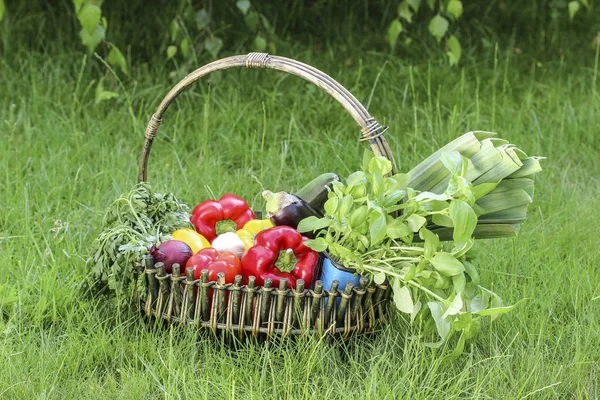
280, 253
228, 214
215, 262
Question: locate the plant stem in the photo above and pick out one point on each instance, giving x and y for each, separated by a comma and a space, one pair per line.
401, 277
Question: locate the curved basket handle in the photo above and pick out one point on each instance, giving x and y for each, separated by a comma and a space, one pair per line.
371, 130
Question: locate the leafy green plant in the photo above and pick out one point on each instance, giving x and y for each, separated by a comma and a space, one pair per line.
446, 12
132, 224
361, 230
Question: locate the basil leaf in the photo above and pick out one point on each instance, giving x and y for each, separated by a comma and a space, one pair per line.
377, 226
432, 242
358, 216
452, 160
464, 220
345, 205
446, 264
331, 205
377, 185
402, 297
397, 229
318, 244
312, 223
442, 324
415, 222
379, 166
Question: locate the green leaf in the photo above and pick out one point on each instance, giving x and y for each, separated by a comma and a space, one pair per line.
464, 220
379, 166
404, 12
76, 3
171, 51
452, 160
397, 229
402, 297
331, 205
573, 9
479, 302
174, 30
459, 282
185, 47
89, 17
432, 242
312, 223
454, 50
455, 306
252, 20
366, 159
358, 216
499, 310
202, 18
446, 264
415, 222
455, 8
213, 45
585, 3
414, 4
101, 94
318, 244
431, 4
92, 41
442, 220
397, 182
345, 205
472, 272
267, 25
243, 6
438, 26
442, 324
259, 44
117, 59
377, 186
377, 226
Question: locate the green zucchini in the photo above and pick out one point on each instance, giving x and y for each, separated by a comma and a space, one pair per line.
315, 192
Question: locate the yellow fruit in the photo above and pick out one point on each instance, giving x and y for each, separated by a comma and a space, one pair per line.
192, 238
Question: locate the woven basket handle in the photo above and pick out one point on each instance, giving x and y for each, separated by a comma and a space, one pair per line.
371, 130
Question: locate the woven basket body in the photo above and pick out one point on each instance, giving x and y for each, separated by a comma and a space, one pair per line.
250, 311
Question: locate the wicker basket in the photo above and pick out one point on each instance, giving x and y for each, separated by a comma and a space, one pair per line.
249, 311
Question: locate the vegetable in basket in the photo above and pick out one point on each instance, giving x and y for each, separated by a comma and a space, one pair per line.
215, 261
212, 218
192, 238
131, 225
315, 192
372, 223
287, 209
171, 252
231, 242
251, 229
279, 253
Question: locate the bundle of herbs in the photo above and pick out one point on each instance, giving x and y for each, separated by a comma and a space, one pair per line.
419, 238
132, 224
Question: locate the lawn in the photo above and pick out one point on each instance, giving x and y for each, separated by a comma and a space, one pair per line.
63, 159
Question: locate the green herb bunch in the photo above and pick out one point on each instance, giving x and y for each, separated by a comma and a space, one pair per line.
132, 224
378, 226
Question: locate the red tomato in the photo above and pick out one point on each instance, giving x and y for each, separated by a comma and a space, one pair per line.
215, 262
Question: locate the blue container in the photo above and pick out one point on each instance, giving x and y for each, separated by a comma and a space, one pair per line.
332, 271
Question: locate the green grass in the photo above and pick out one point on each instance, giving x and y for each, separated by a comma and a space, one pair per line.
63, 159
